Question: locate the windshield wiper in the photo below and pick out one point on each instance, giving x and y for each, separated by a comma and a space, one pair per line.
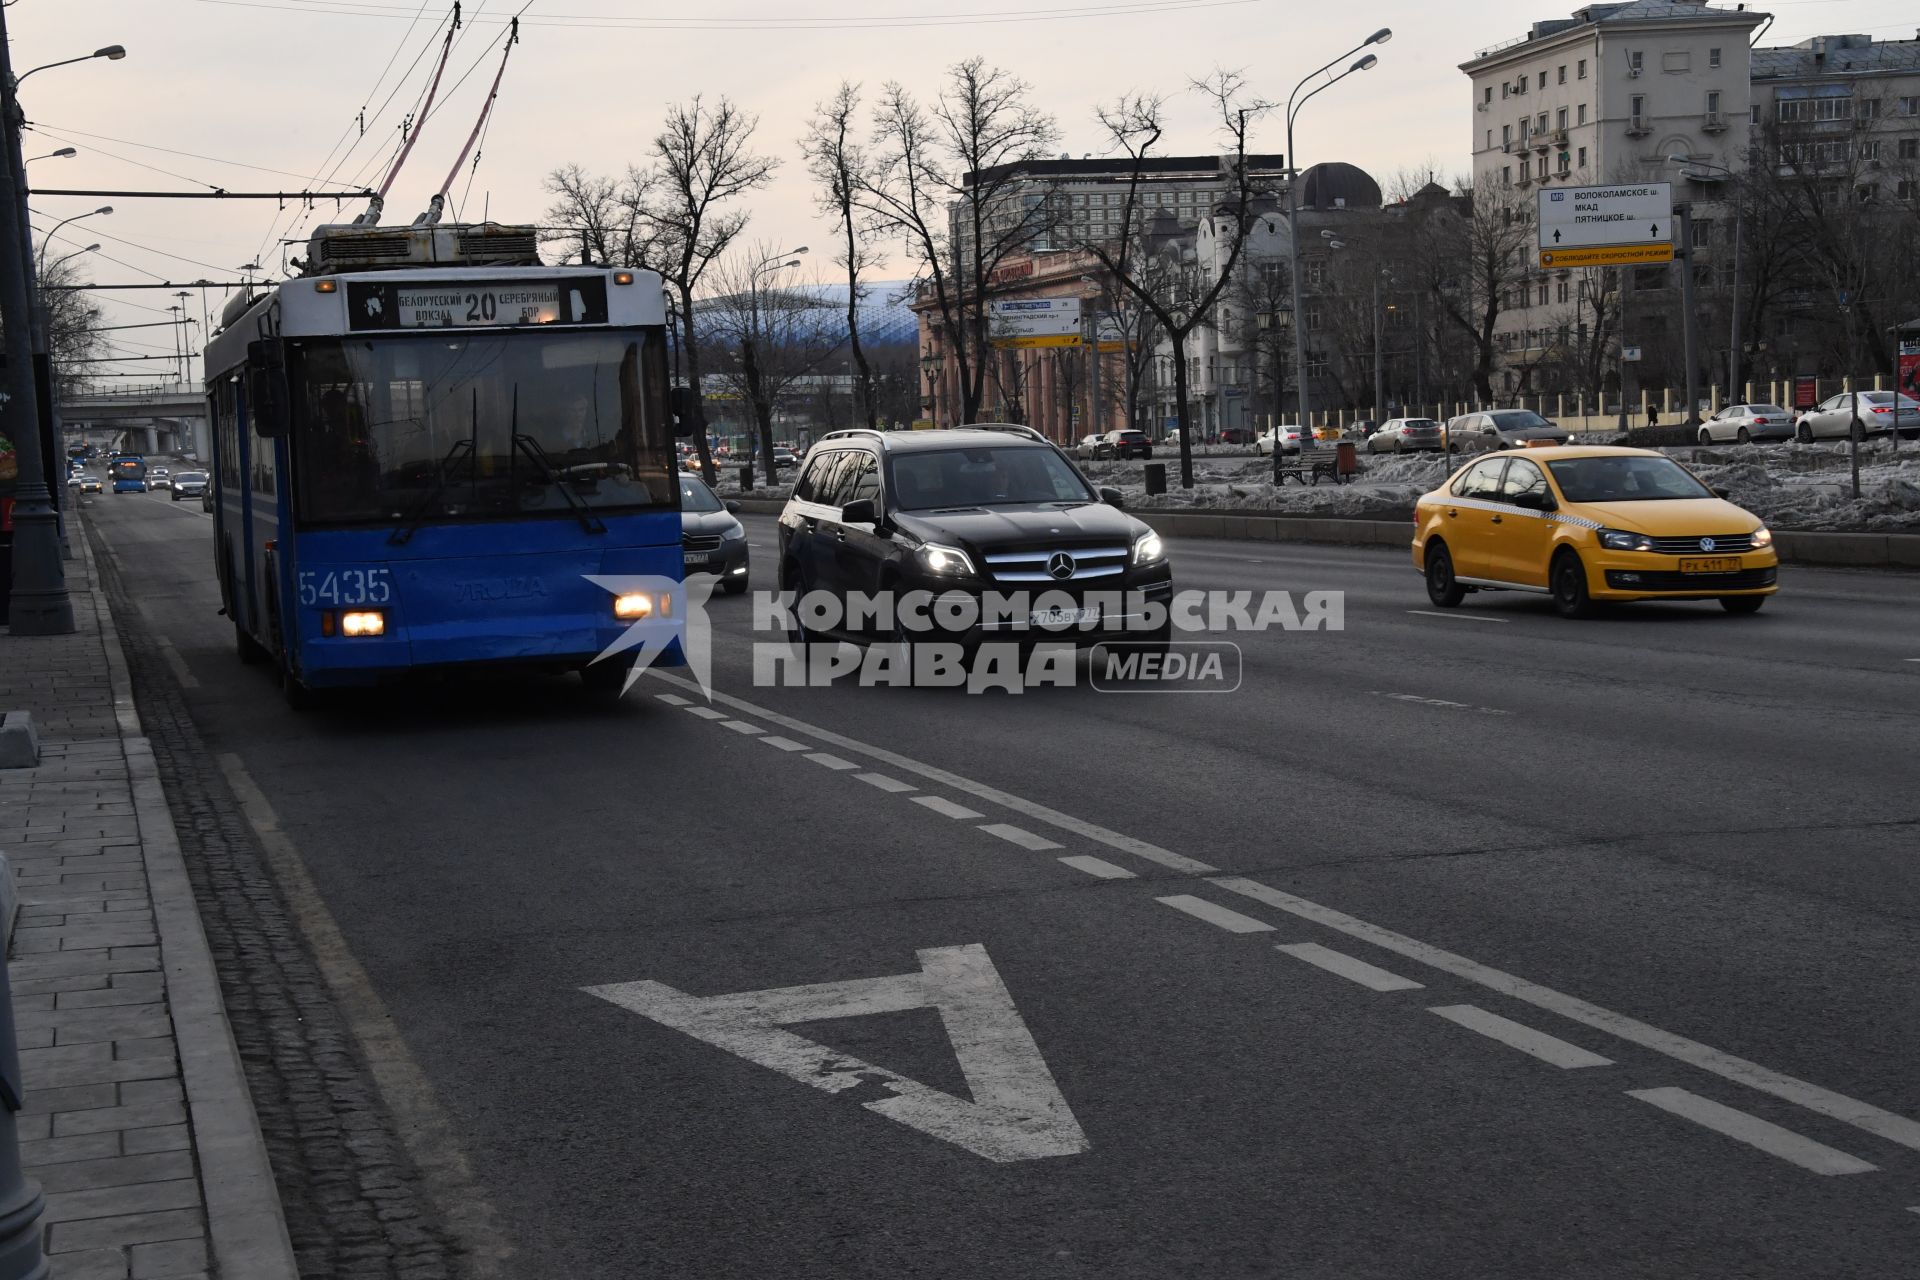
412, 521
531, 447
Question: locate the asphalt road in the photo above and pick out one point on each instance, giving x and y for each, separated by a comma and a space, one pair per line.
1479, 944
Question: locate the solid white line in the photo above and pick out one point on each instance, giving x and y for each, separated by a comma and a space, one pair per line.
1097, 867
947, 808
785, 744
741, 726
1462, 617
1019, 804
706, 713
1861, 1115
671, 699
1752, 1130
1213, 913
179, 664
1517, 1036
831, 761
1370, 976
884, 782
1018, 835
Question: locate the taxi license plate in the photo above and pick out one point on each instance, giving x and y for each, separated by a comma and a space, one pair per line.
694, 557
1063, 617
1719, 564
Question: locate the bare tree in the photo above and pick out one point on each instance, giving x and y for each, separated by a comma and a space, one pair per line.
1178, 297
603, 218
774, 336
73, 323
949, 178
703, 159
1465, 267
842, 170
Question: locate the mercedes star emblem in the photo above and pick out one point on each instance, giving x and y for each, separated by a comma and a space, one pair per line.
1060, 565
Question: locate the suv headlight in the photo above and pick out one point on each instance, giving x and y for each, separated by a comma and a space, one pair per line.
1621, 540
1148, 549
939, 558
1762, 537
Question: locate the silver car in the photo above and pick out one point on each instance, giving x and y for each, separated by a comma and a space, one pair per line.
1832, 418
1741, 423
1400, 435
1502, 429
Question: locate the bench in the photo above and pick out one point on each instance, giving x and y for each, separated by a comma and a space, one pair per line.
1311, 463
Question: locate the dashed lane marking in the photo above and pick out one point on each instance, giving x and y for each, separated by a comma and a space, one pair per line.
1459, 617
831, 761
1369, 976
672, 699
706, 713
785, 744
1097, 867
1213, 913
1763, 1135
1019, 804
741, 726
884, 782
947, 808
176, 662
1019, 835
1518, 1036
1861, 1115
1437, 702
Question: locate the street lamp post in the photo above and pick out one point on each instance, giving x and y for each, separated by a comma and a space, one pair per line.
1294, 108
58, 262
1379, 366
64, 153
1733, 351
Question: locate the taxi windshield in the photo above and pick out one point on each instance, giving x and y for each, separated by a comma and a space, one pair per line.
1625, 479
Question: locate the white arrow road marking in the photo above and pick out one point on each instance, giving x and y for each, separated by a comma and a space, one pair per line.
1017, 1112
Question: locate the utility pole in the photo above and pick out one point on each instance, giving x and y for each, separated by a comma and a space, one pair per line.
40, 604
1734, 394
1620, 284
1692, 418
1379, 369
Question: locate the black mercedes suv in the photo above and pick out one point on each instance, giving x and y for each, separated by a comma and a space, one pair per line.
994, 512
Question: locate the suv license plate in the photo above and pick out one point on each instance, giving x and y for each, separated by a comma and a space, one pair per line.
1063, 617
694, 557
1722, 564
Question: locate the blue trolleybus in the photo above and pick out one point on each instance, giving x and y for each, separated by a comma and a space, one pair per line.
426, 446
128, 472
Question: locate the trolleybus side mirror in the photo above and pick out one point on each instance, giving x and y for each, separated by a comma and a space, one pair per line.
680, 404
267, 387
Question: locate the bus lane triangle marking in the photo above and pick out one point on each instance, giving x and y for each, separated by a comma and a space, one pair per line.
1017, 1111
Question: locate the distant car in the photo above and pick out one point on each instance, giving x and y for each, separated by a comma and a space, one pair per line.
1087, 447
1742, 423
1237, 435
1832, 418
1404, 435
783, 457
1502, 429
159, 478
1366, 427
1290, 440
89, 482
711, 540
1123, 444
189, 484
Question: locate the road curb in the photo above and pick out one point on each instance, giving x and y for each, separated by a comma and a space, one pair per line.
1900, 551
246, 1224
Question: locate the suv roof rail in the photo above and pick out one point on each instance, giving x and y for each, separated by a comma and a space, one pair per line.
1015, 428
851, 431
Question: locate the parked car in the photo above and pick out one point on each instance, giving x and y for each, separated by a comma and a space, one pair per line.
1742, 423
711, 539
1589, 525
189, 484
1832, 418
1403, 435
1237, 435
1502, 429
1290, 440
1123, 444
1088, 448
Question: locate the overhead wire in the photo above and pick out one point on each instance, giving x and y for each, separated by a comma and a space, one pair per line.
48, 130
612, 22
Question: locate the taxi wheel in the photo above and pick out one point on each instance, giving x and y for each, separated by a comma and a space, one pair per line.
1742, 604
1570, 586
1442, 587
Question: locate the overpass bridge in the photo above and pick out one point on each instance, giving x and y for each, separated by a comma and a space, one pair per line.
170, 418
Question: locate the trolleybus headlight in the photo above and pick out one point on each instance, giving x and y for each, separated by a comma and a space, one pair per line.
363, 622
633, 606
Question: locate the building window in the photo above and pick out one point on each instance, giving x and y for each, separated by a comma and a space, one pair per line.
1543, 79
1560, 120
1753, 114
1713, 102
1910, 148
1702, 231
1562, 77
1870, 150
1540, 123
1506, 135
1580, 116
1565, 291
1583, 157
1489, 139
1316, 274
1907, 187
1713, 57
1543, 166
1637, 110
1506, 175
1489, 97
1636, 62
1581, 72
1677, 61
1869, 109
1505, 88
1908, 107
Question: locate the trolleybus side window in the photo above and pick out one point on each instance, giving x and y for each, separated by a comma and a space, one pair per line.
227, 433
478, 425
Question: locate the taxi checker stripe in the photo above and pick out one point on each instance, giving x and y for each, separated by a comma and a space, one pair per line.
1508, 509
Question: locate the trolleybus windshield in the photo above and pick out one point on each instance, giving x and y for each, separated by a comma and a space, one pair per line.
479, 426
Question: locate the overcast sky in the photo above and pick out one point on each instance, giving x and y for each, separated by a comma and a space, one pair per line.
277, 83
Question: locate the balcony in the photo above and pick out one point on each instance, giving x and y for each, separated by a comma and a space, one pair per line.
1715, 122
1524, 177
1559, 138
1638, 127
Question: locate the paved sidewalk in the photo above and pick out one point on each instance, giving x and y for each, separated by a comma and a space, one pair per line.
138, 1125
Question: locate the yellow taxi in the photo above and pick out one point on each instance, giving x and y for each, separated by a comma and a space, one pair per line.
1590, 524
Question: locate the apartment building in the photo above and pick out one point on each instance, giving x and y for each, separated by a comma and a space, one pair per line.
1845, 104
